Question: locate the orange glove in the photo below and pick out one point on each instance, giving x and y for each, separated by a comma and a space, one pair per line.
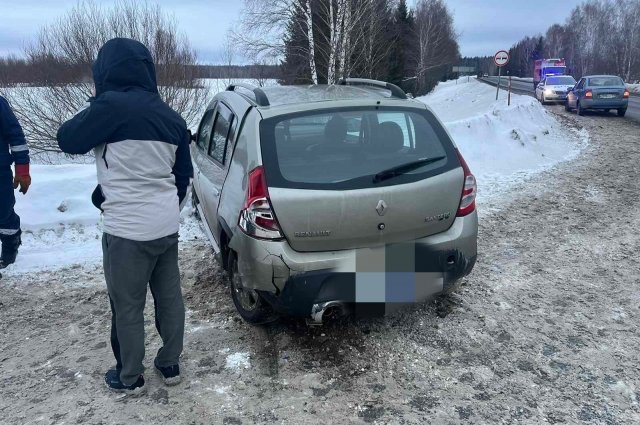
22, 178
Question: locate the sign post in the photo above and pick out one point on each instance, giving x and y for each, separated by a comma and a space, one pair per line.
501, 58
509, 98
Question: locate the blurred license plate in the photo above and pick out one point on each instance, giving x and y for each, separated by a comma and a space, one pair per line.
607, 96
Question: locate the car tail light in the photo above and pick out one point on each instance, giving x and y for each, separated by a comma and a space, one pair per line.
626, 93
588, 93
257, 218
469, 191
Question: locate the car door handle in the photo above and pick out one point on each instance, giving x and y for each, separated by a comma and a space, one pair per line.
216, 193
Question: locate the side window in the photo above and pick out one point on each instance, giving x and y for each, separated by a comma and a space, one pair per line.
204, 131
580, 84
232, 136
224, 119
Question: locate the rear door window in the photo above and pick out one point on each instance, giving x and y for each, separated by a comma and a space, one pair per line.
221, 131
204, 131
346, 148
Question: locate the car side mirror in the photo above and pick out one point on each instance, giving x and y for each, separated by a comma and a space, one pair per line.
192, 136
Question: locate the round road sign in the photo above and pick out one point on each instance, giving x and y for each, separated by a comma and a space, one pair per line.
501, 58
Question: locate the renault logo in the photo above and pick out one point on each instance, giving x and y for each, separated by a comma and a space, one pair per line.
381, 208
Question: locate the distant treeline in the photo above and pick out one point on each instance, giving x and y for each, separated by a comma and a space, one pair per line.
41, 71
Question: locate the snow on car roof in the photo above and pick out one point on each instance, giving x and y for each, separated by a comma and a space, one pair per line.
287, 95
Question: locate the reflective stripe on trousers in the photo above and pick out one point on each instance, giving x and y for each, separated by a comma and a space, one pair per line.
9, 220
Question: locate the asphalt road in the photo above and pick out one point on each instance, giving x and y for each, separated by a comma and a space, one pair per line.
526, 87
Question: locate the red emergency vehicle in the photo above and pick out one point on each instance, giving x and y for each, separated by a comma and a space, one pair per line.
545, 67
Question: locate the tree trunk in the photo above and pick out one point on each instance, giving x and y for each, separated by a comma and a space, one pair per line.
312, 45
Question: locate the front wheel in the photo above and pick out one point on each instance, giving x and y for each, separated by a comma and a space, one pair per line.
250, 305
622, 112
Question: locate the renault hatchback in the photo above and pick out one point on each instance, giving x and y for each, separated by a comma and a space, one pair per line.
324, 200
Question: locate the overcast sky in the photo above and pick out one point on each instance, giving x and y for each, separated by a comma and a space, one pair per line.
485, 26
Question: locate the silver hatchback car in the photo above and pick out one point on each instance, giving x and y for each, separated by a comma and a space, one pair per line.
330, 200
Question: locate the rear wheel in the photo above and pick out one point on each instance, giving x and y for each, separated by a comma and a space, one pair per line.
579, 109
622, 111
250, 305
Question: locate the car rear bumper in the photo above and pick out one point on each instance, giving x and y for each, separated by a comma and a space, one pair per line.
365, 292
604, 103
293, 281
555, 97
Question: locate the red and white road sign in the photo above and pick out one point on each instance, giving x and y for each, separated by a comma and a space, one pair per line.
501, 58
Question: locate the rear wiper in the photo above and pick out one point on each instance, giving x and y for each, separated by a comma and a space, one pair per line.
405, 168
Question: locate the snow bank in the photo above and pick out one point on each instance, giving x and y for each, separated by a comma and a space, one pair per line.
60, 225
634, 88
502, 144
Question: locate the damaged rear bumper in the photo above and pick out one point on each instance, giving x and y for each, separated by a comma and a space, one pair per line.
367, 292
293, 282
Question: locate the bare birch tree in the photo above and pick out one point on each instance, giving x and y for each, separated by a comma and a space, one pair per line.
74, 41
263, 26
437, 44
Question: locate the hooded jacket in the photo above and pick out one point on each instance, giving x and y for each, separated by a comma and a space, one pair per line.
141, 144
13, 145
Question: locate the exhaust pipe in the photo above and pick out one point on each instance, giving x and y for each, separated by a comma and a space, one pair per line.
325, 310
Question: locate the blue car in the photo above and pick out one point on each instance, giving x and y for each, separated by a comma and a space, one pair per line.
598, 92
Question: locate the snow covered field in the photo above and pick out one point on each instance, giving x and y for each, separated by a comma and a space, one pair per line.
502, 144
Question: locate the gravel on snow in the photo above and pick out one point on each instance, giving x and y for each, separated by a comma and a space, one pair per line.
546, 328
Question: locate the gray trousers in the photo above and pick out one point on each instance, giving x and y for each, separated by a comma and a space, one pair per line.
128, 267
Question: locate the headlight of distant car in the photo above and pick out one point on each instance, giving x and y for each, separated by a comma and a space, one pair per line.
548, 92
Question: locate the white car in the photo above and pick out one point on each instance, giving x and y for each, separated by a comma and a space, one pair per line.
554, 88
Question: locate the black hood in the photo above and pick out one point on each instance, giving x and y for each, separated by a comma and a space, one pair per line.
123, 65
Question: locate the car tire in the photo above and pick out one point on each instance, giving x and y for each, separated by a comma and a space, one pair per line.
543, 100
248, 302
622, 112
579, 109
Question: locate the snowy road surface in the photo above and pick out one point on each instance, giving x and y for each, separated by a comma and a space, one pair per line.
545, 330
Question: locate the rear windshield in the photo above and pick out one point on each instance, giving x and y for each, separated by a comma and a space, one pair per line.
346, 148
605, 82
560, 81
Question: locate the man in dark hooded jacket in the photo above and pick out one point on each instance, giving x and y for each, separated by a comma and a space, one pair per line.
13, 149
144, 166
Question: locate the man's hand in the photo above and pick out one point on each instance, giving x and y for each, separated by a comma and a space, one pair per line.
22, 178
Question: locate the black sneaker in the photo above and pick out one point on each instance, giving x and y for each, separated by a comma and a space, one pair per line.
170, 374
112, 379
10, 245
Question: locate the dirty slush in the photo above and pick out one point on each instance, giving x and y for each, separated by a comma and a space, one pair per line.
544, 330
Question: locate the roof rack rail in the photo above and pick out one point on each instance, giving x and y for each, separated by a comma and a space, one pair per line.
261, 98
395, 90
